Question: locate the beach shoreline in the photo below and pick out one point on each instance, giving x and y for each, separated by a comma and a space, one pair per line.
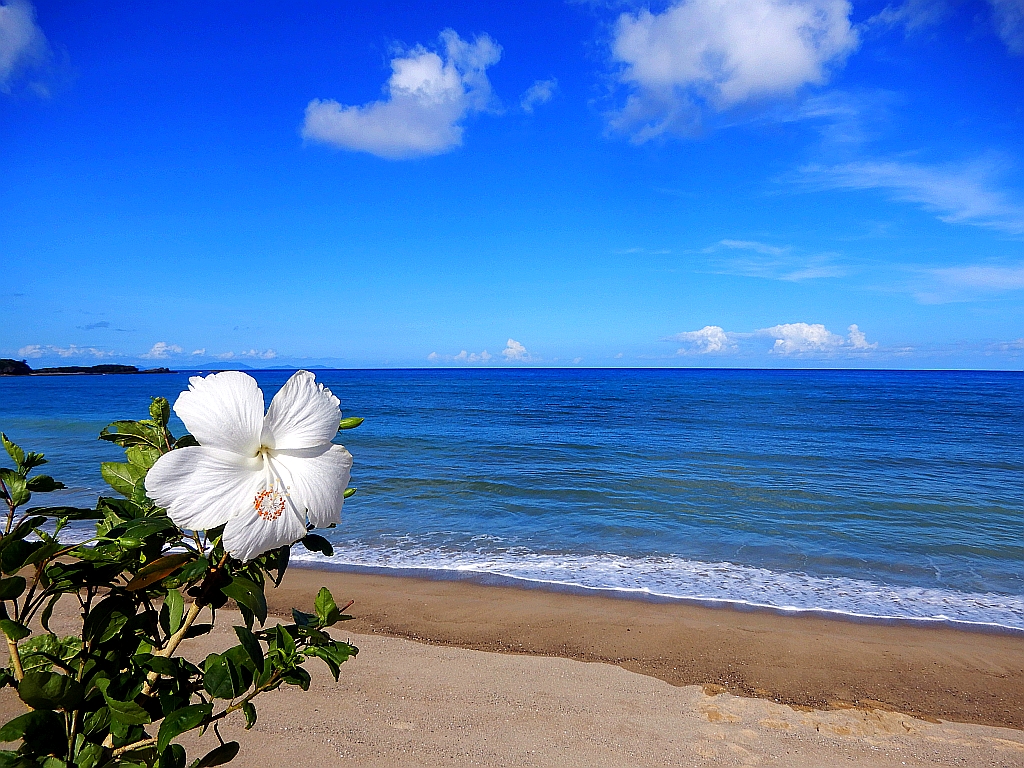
804, 661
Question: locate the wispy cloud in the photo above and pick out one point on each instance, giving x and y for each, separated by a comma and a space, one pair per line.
253, 354
750, 258
966, 282
429, 95
1007, 18
22, 43
956, 194
702, 55
541, 92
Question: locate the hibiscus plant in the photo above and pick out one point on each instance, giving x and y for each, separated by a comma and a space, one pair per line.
199, 520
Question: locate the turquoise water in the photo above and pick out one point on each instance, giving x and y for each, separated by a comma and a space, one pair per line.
867, 493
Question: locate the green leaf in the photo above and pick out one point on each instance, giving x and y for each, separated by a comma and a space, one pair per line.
174, 604
349, 492
160, 411
141, 528
351, 422
14, 630
123, 478
16, 487
17, 553
34, 726
125, 712
299, 677
72, 513
251, 645
222, 679
225, 753
250, 714
44, 484
50, 690
126, 433
173, 756
158, 570
12, 587
13, 450
315, 543
186, 441
143, 456
180, 721
326, 609
248, 593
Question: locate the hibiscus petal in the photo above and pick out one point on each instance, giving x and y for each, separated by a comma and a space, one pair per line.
316, 479
250, 534
223, 410
204, 487
303, 414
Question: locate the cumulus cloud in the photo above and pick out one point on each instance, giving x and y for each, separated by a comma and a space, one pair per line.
541, 92
72, 350
22, 42
956, 194
802, 338
198, 352
428, 97
463, 357
717, 54
162, 350
515, 352
708, 340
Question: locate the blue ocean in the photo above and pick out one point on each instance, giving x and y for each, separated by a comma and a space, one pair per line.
885, 494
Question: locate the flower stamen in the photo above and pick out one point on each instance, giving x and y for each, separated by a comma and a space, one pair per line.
269, 504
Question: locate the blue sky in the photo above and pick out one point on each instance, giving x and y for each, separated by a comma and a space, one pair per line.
701, 183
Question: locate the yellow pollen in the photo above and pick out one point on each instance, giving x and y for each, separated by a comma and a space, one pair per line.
269, 504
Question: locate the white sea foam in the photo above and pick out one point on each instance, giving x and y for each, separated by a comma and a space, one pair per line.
679, 578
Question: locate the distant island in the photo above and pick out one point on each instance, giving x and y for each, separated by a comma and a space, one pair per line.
22, 368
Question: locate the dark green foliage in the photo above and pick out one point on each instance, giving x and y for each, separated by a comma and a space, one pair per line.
115, 695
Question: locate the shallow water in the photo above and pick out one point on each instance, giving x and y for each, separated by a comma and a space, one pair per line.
891, 494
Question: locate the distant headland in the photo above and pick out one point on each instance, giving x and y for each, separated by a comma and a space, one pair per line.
21, 368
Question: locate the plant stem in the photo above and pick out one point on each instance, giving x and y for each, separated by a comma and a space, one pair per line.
137, 745
19, 671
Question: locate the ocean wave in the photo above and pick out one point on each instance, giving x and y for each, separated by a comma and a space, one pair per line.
678, 578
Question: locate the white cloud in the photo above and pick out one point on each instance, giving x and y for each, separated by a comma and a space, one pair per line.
957, 194
72, 350
857, 339
514, 351
773, 262
428, 97
473, 357
162, 350
22, 42
720, 53
541, 92
463, 357
709, 339
801, 338
1008, 16
198, 352
753, 245
259, 354
968, 282
31, 351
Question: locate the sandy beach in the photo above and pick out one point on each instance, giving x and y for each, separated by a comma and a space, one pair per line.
456, 673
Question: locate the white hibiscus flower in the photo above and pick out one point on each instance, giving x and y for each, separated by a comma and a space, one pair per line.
261, 475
